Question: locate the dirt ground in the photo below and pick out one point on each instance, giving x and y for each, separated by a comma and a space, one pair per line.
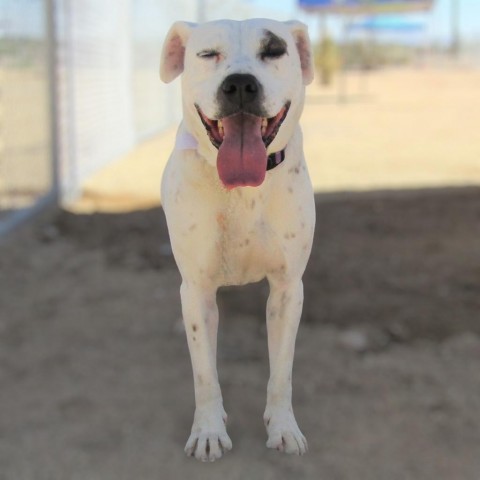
96, 380
95, 377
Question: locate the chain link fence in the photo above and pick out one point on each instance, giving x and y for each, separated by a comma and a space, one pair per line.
78, 88
109, 96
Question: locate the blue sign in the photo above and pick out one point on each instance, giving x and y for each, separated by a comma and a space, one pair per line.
388, 24
365, 6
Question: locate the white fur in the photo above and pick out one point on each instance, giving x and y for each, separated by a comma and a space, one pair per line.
233, 237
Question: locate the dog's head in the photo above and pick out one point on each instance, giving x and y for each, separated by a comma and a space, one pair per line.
243, 87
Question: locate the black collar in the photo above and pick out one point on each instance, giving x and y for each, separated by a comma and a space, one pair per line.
275, 159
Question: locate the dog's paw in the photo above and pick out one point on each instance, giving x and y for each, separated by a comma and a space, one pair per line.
283, 432
209, 439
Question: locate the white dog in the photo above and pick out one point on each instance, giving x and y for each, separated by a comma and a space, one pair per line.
239, 202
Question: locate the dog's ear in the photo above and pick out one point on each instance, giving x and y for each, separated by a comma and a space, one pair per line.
302, 40
173, 52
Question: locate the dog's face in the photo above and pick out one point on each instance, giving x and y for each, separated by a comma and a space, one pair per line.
243, 89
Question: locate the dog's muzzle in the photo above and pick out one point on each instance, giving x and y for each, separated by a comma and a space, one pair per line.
242, 132
240, 92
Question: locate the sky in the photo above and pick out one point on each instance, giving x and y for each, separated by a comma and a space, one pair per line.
25, 16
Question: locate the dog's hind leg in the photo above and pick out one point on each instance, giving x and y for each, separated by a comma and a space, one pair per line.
209, 438
284, 308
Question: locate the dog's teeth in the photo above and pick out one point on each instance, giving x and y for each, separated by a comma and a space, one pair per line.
264, 126
220, 128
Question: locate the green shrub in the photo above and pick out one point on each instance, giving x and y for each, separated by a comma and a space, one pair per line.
327, 60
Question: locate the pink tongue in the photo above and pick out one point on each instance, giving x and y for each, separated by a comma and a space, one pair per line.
242, 156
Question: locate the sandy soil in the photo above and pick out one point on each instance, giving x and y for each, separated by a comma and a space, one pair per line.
95, 377
401, 129
24, 159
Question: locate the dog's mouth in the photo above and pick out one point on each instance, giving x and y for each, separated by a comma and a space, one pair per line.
269, 127
242, 140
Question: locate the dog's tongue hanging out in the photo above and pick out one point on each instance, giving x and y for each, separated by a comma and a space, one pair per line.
242, 156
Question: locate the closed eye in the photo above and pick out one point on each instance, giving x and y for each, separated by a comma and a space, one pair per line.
273, 52
207, 54
272, 46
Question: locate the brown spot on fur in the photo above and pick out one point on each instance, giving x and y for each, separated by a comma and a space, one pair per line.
194, 327
282, 269
222, 220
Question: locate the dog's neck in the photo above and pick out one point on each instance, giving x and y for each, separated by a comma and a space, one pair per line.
186, 141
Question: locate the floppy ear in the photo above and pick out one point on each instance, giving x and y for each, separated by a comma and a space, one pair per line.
173, 52
302, 40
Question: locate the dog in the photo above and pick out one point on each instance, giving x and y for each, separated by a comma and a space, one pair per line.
239, 202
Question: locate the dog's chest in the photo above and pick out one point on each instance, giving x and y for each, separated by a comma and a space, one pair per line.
246, 244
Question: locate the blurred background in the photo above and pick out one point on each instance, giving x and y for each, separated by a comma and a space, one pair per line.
80, 89
95, 377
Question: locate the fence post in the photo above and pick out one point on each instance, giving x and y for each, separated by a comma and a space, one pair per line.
53, 95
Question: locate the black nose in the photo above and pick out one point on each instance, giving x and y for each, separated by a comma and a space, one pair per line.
240, 89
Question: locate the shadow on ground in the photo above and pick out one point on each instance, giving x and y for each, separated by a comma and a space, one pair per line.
407, 262
96, 380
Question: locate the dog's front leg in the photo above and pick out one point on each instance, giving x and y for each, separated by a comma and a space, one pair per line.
209, 438
284, 308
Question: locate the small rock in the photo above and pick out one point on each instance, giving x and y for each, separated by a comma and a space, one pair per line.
363, 340
398, 332
355, 340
